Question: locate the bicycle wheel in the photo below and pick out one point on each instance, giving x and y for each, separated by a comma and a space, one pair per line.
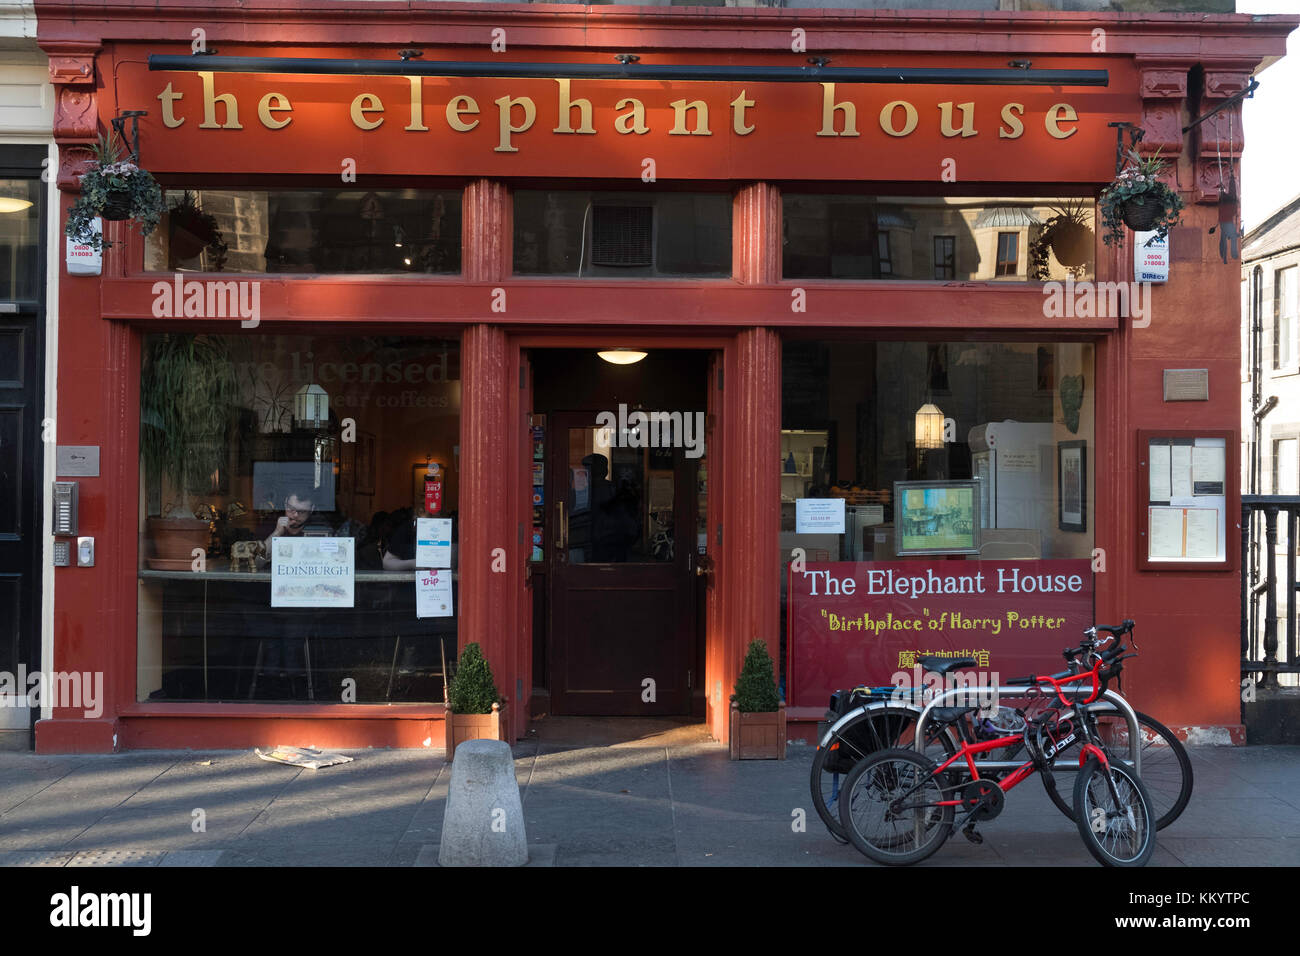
1116, 828
872, 731
905, 836
1166, 768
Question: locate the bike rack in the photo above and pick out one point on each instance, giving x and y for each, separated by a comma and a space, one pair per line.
1021, 692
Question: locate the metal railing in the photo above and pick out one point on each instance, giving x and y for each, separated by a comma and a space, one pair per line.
1260, 639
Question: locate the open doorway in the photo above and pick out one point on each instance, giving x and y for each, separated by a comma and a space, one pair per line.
621, 509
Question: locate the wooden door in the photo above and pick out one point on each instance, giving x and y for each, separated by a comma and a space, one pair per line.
622, 570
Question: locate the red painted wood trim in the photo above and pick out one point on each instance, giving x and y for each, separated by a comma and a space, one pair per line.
399, 302
659, 28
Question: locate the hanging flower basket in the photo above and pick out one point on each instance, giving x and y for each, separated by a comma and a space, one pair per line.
1140, 215
115, 189
117, 205
1139, 200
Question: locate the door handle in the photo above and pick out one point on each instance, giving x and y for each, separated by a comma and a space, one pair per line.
561, 526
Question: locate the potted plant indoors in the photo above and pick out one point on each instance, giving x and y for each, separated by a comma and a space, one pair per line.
757, 712
1067, 235
1138, 199
114, 188
190, 231
188, 389
473, 704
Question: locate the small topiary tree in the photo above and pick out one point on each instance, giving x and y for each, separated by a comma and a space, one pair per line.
756, 686
472, 690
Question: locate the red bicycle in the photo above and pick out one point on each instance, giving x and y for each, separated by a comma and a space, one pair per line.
899, 806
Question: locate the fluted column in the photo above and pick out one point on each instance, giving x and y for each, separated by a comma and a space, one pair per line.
756, 234
485, 576
750, 570
486, 231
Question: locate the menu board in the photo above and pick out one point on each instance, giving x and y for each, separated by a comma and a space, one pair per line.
1186, 486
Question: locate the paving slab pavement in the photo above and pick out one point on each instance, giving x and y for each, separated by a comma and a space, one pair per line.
597, 794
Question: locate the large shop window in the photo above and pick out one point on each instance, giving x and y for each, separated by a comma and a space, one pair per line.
616, 234
941, 494
308, 230
937, 237
298, 517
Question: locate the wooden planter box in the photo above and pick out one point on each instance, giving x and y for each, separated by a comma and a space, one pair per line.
757, 736
463, 727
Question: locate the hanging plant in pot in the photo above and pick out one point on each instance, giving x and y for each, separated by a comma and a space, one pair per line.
1067, 235
116, 189
188, 391
190, 231
1139, 200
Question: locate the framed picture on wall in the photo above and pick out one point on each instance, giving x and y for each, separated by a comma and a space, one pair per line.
936, 517
1072, 485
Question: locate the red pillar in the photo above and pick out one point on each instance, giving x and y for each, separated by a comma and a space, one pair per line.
748, 575
488, 554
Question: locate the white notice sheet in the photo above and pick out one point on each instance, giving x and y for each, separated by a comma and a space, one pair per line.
1159, 471
1203, 533
1208, 468
433, 594
1180, 467
1166, 533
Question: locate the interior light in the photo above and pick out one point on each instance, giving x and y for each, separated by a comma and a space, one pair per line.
929, 427
622, 356
14, 204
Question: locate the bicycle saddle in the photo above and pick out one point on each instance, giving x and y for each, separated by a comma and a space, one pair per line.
948, 715
942, 665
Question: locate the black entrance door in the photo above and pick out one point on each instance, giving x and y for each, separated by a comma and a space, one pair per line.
622, 571
22, 375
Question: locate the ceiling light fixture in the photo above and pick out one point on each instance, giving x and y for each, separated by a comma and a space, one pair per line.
14, 204
622, 356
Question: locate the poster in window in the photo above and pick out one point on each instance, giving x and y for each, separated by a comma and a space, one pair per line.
312, 572
1072, 485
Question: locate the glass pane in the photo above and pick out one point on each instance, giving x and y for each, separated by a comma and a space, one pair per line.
613, 234
20, 239
936, 237
620, 501
315, 231
244, 454
1008, 424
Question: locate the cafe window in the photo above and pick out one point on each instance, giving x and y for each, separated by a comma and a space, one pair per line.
354, 230
621, 234
844, 236
959, 457
283, 555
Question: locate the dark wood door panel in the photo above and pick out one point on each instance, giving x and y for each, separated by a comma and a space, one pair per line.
622, 607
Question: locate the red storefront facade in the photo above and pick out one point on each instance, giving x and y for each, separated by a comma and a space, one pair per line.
494, 144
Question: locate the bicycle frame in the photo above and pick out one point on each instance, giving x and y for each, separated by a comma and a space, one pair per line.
957, 696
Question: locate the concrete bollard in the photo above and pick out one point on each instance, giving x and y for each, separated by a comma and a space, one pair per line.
483, 824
